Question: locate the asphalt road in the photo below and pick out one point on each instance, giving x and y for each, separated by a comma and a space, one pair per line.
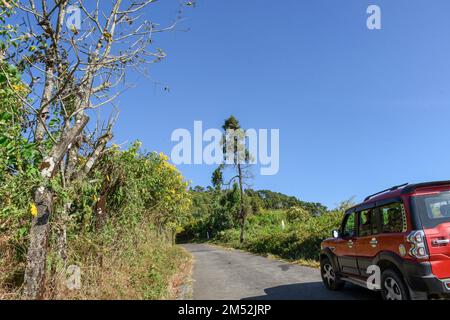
221, 274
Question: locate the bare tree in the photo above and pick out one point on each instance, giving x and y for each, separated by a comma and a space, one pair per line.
73, 69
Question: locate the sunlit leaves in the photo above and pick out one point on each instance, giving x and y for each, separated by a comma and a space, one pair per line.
144, 184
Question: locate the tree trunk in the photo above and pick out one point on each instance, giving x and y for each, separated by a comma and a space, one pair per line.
34, 279
61, 250
61, 236
96, 153
72, 159
100, 212
59, 265
37, 252
45, 106
242, 213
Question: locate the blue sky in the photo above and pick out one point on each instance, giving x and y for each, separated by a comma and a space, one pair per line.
358, 110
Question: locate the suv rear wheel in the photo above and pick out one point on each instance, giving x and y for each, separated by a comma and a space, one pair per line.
393, 287
329, 277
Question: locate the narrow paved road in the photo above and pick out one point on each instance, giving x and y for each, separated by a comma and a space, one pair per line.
231, 274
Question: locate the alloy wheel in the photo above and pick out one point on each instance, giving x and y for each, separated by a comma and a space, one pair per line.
392, 289
328, 274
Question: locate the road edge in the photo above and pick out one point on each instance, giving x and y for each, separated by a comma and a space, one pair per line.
182, 282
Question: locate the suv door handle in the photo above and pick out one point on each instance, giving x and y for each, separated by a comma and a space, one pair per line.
439, 242
350, 244
373, 242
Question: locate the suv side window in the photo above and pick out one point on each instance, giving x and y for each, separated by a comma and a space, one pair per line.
367, 223
348, 231
392, 218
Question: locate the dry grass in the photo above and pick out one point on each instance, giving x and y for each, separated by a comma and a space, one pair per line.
179, 286
11, 270
143, 267
132, 266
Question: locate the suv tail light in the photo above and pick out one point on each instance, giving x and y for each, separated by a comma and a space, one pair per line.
418, 247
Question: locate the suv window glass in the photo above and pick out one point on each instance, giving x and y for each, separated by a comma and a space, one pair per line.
433, 209
392, 218
349, 227
367, 223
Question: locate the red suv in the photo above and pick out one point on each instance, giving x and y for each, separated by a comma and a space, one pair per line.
397, 241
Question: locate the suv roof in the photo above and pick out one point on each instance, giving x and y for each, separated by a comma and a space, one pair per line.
397, 191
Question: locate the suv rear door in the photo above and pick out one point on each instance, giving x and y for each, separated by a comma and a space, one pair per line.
432, 207
393, 227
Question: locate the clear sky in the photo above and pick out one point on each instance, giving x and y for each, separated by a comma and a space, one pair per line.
358, 110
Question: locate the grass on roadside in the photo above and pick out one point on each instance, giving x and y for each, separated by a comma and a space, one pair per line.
140, 267
136, 265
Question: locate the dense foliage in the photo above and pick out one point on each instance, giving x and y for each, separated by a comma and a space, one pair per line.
278, 224
142, 191
272, 232
276, 200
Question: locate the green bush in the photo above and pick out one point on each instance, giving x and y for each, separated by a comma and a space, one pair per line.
298, 214
146, 202
299, 239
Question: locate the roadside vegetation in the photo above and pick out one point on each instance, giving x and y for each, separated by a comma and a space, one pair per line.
273, 233
277, 224
119, 231
71, 201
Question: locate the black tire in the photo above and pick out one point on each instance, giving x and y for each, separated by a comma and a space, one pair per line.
329, 277
393, 287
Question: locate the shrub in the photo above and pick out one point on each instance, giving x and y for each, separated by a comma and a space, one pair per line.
299, 240
298, 214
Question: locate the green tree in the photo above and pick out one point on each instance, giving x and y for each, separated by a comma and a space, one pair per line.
346, 204
298, 214
237, 157
17, 152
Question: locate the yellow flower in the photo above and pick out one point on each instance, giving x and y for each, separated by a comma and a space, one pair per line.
95, 198
163, 157
33, 210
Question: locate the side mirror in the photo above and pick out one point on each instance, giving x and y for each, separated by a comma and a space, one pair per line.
335, 234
